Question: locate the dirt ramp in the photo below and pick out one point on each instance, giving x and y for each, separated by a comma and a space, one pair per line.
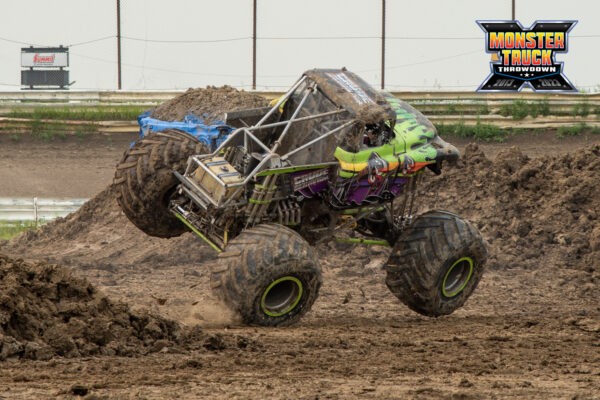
534, 212
46, 311
99, 235
208, 103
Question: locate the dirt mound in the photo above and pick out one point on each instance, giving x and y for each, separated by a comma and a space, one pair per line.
46, 311
209, 103
539, 214
99, 235
100, 243
534, 212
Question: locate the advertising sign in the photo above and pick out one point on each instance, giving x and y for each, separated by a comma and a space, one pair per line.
44, 59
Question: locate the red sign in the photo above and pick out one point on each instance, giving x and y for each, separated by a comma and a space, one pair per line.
31, 59
43, 59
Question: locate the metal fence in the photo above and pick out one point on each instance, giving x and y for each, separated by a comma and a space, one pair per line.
468, 108
36, 209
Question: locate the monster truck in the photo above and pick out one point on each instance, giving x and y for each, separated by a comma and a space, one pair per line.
332, 155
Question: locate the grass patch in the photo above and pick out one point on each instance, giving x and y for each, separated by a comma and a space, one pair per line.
101, 113
567, 131
82, 131
582, 109
451, 109
48, 122
485, 132
10, 229
517, 109
483, 109
458, 109
49, 130
520, 109
541, 107
492, 133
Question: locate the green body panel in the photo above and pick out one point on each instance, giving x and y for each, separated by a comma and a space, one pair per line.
200, 234
287, 170
413, 134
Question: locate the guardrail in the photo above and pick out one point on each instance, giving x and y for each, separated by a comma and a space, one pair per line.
541, 122
9, 126
468, 108
12, 125
90, 97
37, 209
119, 97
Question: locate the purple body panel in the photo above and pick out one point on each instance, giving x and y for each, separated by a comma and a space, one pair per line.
362, 189
352, 191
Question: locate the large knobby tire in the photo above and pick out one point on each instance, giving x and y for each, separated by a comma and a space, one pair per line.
144, 180
436, 263
269, 275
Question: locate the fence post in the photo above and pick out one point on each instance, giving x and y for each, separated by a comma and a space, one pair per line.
382, 44
35, 211
254, 45
119, 44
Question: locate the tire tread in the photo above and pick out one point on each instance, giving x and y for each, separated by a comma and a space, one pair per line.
413, 268
259, 253
145, 173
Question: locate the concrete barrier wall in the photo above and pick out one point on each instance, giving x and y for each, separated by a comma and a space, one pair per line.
468, 108
37, 209
154, 97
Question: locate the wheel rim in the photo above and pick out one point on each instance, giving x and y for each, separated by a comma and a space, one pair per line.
281, 296
457, 277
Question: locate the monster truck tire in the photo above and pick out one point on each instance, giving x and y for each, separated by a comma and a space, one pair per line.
269, 275
144, 180
436, 263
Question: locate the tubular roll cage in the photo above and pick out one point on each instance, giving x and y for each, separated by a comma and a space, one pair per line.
204, 200
264, 191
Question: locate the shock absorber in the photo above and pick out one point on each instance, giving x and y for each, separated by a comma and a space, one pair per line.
262, 196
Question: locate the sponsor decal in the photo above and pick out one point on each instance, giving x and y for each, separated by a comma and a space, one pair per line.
356, 91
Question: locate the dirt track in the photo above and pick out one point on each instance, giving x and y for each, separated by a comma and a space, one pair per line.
531, 330
34, 167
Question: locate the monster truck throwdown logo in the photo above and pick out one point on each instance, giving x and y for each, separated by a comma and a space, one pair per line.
526, 56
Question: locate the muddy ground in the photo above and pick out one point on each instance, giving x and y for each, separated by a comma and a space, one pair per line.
531, 330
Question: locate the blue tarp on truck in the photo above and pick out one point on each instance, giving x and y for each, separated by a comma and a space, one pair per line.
211, 135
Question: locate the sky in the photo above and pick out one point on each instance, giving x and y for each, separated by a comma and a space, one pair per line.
177, 44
